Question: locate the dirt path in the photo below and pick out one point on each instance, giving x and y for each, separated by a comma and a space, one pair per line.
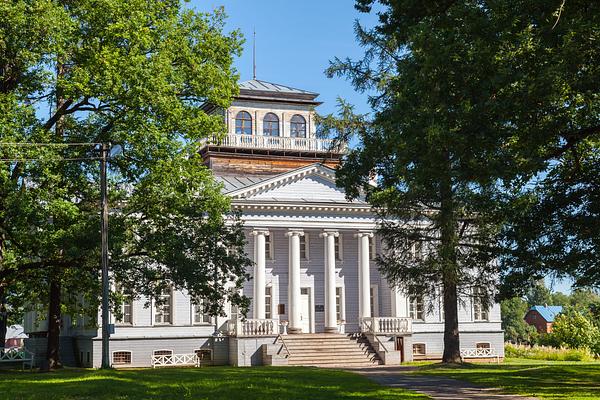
436, 387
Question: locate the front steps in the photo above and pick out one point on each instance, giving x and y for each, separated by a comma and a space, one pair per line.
329, 350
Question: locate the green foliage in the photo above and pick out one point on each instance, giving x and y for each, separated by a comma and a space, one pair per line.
132, 73
575, 331
515, 328
547, 353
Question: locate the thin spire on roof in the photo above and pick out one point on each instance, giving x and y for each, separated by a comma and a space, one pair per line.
254, 56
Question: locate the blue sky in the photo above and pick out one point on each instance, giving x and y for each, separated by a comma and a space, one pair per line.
295, 41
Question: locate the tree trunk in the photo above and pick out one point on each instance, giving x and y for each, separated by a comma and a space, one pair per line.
449, 242
54, 321
3, 318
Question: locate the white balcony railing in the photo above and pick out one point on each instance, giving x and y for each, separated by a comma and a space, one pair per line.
386, 325
253, 327
278, 143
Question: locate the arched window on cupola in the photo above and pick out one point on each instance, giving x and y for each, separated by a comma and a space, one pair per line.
271, 125
298, 126
243, 123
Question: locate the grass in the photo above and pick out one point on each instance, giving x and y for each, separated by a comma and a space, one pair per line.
196, 383
543, 379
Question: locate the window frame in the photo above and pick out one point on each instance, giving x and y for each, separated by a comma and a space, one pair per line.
424, 353
338, 247
486, 345
295, 124
242, 128
305, 241
269, 303
372, 247
341, 314
414, 315
209, 351
480, 314
129, 301
171, 305
198, 304
269, 254
270, 125
121, 351
374, 300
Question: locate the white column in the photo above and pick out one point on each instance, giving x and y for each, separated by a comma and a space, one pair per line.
259, 273
330, 311
294, 281
364, 281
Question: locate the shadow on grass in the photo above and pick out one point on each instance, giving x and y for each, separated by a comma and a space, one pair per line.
557, 380
193, 383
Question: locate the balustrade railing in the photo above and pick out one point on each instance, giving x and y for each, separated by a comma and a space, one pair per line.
386, 325
168, 360
277, 143
254, 327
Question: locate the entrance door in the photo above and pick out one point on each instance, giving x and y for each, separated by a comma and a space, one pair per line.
305, 310
400, 347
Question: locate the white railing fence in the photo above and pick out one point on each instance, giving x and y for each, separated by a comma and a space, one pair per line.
480, 353
386, 325
171, 360
277, 143
254, 327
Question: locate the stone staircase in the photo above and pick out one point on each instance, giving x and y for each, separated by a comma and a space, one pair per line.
329, 350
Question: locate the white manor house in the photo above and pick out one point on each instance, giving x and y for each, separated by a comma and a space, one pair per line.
317, 295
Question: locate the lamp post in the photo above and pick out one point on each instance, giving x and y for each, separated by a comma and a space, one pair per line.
104, 235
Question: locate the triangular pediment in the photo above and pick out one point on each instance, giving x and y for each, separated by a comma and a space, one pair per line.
312, 184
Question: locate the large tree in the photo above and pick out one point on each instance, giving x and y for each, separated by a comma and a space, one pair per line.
132, 73
473, 100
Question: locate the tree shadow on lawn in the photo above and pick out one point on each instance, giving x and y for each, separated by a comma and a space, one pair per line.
573, 380
194, 383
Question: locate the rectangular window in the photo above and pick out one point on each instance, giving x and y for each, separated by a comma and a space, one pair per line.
481, 346
338, 303
416, 308
200, 316
372, 248
268, 302
419, 349
480, 313
163, 352
204, 354
121, 357
304, 247
126, 308
374, 299
234, 313
338, 247
269, 247
163, 310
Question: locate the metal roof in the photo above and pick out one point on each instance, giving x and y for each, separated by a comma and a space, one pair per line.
263, 86
235, 182
547, 312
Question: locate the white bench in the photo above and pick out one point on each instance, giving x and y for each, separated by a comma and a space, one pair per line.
481, 353
173, 360
16, 355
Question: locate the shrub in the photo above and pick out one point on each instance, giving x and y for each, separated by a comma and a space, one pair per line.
547, 353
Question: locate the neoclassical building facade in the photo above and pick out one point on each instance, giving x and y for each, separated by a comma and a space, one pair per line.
317, 295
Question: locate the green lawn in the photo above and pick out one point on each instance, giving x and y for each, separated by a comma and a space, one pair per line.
543, 379
195, 383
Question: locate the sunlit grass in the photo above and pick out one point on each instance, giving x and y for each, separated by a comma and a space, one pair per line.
543, 379
195, 383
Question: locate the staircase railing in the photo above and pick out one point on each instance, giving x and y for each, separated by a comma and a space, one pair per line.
284, 345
